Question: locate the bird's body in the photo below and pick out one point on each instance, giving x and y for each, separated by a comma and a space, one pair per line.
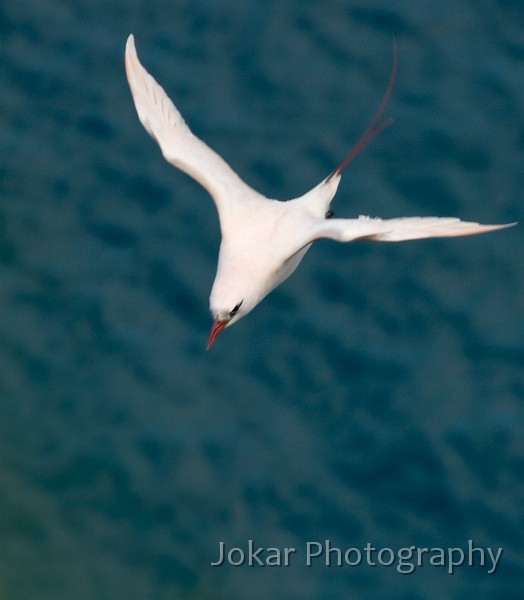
264, 240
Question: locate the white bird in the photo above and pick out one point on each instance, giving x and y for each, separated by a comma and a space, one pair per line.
264, 240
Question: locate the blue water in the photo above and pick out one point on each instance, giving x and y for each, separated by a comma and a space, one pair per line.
376, 397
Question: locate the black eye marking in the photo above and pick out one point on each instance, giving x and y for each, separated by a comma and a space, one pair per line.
235, 310
329, 214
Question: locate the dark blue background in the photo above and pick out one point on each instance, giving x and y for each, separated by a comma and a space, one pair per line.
375, 397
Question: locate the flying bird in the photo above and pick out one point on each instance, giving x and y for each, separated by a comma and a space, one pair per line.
264, 240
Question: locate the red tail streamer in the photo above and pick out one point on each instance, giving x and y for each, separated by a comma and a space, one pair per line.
372, 129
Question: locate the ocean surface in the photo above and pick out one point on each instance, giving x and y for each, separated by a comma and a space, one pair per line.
376, 398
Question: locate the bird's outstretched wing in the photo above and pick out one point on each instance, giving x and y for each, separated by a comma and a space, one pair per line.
179, 145
398, 230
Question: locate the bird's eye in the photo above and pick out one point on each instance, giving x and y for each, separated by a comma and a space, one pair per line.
235, 310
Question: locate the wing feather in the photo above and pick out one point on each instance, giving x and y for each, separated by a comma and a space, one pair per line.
398, 230
178, 144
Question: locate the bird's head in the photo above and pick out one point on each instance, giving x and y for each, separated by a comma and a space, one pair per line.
225, 316
244, 278
238, 287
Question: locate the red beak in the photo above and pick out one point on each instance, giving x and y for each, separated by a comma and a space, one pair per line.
215, 330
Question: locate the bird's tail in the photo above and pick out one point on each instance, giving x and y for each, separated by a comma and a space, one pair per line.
375, 127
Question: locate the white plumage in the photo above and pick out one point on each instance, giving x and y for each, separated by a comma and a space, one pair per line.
264, 240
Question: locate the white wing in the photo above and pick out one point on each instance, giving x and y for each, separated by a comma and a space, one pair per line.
179, 145
398, 230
